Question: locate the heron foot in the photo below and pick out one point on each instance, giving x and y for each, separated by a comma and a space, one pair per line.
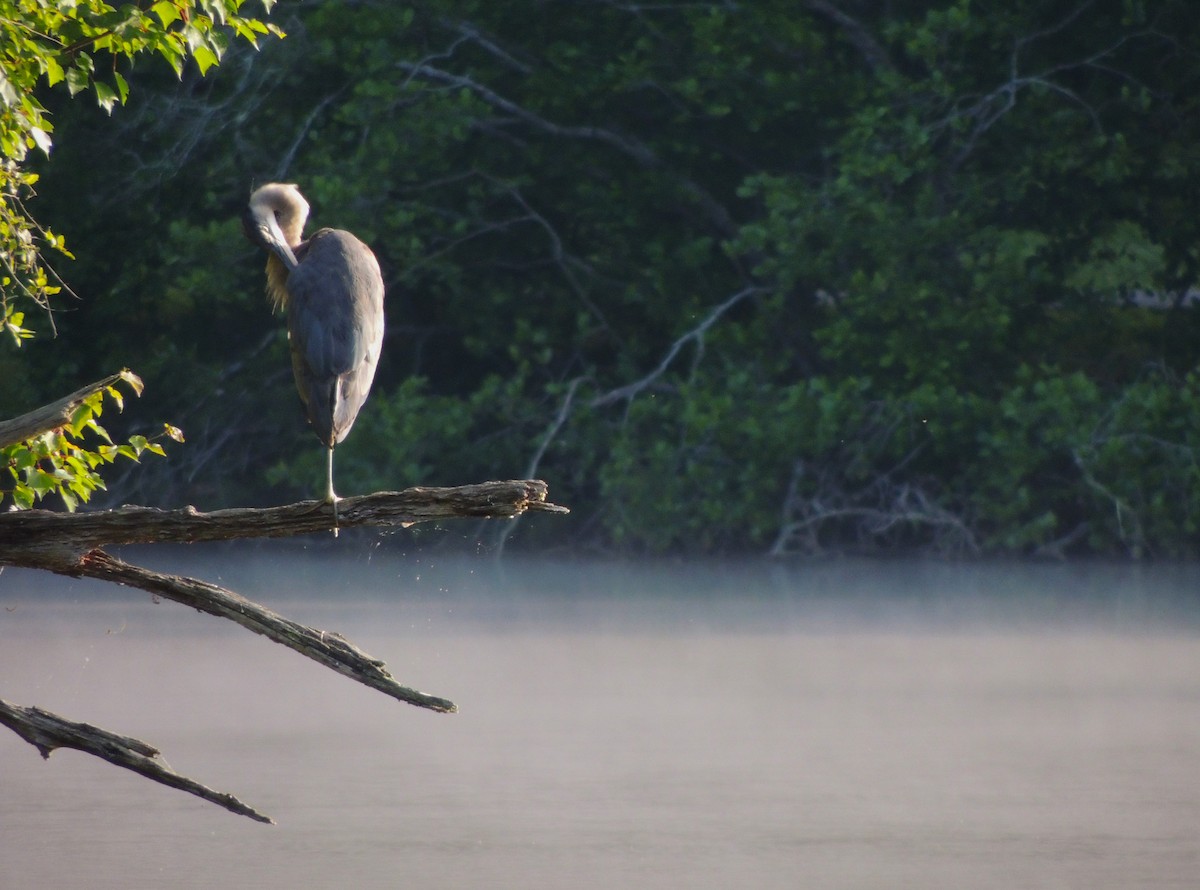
332, 499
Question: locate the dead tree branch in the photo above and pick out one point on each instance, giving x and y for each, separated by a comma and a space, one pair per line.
50, 416
630, 146
872, 512
564, 413
69, 544
48, 732
858, 35
695, 335
55, 541
324, 647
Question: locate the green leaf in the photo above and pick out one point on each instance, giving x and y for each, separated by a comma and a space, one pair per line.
205, 58
23, 497
122, 87
54, 71
41, 481
79, 419
166, 11
106, 96
69, 500
99, 431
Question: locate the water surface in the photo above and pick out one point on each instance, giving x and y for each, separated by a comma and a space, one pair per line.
834, 725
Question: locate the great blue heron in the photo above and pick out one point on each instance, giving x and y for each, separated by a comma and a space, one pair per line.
332, 290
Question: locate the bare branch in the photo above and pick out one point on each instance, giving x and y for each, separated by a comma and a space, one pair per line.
324, 647
856, 33
472, 33
42, 539
289, 156
695, 335
628, 145
67, 544
993, 106
50, 416
48, 732
1129, 525
560, 257
564, 412
872, 511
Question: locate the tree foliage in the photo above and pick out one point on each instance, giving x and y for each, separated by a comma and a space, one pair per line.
84, 46
732, 276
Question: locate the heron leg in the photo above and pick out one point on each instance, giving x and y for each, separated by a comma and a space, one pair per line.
330, 496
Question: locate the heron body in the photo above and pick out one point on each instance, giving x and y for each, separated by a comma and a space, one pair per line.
331, 290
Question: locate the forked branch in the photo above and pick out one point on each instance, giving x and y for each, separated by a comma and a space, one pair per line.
69, 544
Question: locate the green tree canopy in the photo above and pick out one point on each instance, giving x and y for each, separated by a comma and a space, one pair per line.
84, 46
731, 276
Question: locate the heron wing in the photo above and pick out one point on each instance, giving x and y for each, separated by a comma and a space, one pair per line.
335, 327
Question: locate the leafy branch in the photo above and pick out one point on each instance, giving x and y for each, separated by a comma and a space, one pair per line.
48, 43
48, 451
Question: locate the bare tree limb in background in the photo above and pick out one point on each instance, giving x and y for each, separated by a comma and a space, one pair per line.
873, 512
717, 214
696, 335
564, 414
870, 49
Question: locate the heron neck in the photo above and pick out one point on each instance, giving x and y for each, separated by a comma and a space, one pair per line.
277, 276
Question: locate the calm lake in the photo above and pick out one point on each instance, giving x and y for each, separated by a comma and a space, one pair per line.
826, 725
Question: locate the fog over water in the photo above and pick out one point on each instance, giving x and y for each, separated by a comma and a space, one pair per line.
836, 724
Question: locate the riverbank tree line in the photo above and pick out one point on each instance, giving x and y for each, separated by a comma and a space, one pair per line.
780, 277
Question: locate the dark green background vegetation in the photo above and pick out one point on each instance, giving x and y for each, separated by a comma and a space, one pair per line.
756, 276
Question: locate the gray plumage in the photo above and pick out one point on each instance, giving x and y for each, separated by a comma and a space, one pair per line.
332, 292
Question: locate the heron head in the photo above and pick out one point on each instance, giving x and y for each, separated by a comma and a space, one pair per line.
275, 219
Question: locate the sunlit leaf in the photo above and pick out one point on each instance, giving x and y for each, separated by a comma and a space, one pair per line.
99, 431
134, 381
41, 138
166, 11
122, 87
80, 418
106, 96
205, 58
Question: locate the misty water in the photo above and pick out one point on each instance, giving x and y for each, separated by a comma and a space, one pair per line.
833, 724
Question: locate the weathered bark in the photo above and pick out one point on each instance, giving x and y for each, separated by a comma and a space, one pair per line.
69, 544
54, 415
48, 732
58, 541
324, 647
